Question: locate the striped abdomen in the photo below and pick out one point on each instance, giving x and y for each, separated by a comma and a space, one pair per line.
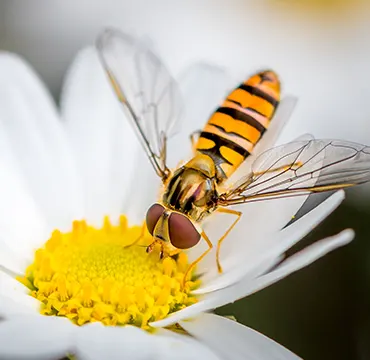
238, 124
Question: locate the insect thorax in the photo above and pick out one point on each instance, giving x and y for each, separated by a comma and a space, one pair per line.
192, 189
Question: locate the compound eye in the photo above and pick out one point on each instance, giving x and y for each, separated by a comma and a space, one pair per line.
152, 216
183, 234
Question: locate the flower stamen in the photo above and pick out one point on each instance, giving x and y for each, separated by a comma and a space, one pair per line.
94, 274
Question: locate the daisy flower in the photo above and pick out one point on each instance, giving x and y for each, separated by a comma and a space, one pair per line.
74, 188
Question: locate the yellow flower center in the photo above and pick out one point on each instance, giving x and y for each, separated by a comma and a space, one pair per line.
103, 275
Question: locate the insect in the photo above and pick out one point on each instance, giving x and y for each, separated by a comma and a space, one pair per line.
234, 132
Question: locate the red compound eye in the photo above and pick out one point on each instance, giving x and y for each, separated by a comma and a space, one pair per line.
183, 234
152, 216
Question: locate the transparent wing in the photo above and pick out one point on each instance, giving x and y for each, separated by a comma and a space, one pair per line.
203, 87
146, 90
301, 168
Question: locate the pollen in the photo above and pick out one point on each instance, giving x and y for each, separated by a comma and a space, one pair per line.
106, 275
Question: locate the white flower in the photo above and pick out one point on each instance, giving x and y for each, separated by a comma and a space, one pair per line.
87, 166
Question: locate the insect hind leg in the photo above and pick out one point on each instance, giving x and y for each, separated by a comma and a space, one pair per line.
223, 237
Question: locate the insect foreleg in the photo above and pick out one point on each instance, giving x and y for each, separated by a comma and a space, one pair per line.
225, 211
192, 265
142, 232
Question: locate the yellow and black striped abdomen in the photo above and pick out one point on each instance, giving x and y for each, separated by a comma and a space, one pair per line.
238, 124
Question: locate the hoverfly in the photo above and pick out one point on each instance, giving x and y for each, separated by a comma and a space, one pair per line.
200, 187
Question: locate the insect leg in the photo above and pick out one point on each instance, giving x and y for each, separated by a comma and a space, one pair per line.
195, 262
143, 227
225, 211
194, 139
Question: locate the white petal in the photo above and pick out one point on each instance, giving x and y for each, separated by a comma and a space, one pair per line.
203, 87
101, 135
95, 341
304, 137
23, 227
235, 341
10, 286
13, 307
11, 289
36, 337
29, 120
183, 347
10, 260
244, 288
241, 264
